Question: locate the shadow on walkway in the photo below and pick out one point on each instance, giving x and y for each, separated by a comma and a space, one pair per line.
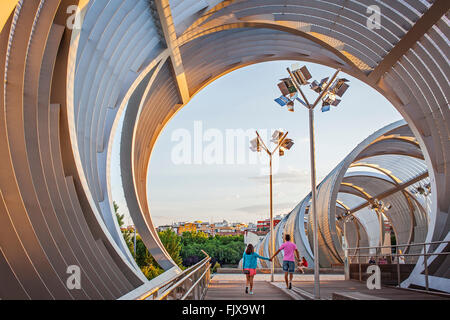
235, 290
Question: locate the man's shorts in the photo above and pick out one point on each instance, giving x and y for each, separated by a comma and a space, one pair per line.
288, 266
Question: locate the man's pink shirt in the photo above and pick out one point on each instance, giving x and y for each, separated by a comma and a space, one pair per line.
289, 248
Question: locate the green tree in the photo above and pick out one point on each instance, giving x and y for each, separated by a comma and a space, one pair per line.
172, 244
127, 234
221, 249
148, 264
151, 271
118, 215
190, 237
143, 256
185, 250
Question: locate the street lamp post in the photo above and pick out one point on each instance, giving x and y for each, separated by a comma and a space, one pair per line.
347, 219
380, 208
328, 90
272, 238
381, 224
283, 143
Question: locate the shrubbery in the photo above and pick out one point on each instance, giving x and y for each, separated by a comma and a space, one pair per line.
215, 267
185, 250
221, 249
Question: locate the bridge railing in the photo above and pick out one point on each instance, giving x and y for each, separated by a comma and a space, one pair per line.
191, 284
399, 257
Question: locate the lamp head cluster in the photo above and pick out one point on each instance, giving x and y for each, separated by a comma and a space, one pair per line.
285, 144
299, 77
423, 190
319, 87
338, 88
380, 205
255, 145
279, 138
346, 216
289, 94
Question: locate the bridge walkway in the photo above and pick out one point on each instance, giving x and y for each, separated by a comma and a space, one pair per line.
333, 287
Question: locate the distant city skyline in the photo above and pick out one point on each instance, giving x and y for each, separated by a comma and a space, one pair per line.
239, 192
221, 221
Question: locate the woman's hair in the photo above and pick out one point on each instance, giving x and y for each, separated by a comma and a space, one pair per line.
249, 249
303, 259
287, 237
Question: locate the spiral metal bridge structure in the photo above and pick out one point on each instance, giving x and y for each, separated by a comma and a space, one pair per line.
72, 68
389, 166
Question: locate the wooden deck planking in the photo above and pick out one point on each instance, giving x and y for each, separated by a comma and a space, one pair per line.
235, 290
327, 288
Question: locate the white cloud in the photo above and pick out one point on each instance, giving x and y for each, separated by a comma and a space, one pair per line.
263, 209
291, 176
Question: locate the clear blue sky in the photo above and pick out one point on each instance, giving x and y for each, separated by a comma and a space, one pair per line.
243, 99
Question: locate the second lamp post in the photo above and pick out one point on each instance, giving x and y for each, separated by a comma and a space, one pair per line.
283, 144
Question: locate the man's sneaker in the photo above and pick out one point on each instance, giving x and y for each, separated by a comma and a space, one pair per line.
251, 292
246, 289
290, 285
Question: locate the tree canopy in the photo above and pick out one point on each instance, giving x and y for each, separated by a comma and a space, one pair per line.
221, 249
185, 250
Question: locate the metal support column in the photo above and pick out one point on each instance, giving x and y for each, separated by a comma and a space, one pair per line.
272, 238
314, 205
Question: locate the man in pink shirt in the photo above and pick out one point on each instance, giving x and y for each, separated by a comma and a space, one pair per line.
288, 260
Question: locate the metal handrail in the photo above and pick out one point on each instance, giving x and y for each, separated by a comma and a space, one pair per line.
172, 284
402, 245
177, 284
400, 254
195, 284
152, 292
378, 253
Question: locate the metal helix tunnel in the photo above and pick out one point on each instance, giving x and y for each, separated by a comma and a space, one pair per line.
69, 78
387, 164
